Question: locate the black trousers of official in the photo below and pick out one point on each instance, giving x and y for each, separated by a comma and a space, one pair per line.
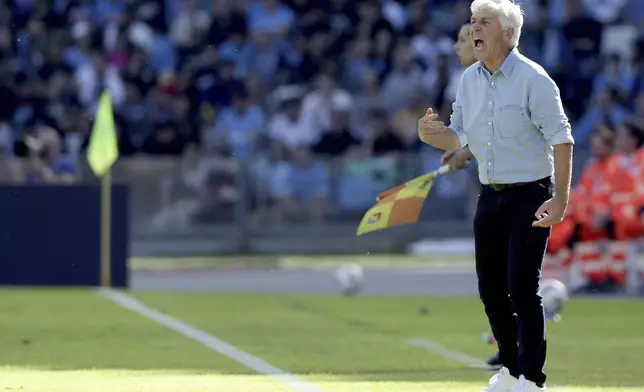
509, 253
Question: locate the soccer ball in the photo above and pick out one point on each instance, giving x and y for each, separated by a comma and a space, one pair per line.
554, 295
350, 277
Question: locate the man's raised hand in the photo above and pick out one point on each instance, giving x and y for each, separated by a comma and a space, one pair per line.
429, 125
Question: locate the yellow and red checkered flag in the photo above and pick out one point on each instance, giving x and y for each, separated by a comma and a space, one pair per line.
400, 205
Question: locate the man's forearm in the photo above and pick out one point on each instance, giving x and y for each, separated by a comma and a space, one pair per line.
563, 169
443, 140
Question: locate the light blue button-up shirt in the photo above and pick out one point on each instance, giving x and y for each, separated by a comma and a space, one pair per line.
511, 120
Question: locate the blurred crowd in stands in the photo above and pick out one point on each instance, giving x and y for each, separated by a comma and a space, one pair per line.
318, 101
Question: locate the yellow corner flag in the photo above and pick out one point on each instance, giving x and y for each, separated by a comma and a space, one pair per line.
103, 146
400, 205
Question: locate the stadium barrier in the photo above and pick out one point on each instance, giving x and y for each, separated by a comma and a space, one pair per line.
50, 235
204, 204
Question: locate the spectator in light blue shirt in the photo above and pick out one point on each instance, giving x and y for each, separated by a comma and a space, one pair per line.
231, 49
103, 10
162, 56
269, 16
605, 110
239, 125
78, 54
613, 76
304, 188
260, 55
356, 63
270, 171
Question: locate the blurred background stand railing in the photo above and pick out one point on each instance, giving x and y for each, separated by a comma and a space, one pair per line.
203, 204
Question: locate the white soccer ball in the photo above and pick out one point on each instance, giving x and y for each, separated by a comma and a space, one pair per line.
554, 295
350, 277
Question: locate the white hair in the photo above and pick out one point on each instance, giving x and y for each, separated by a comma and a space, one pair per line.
510, 15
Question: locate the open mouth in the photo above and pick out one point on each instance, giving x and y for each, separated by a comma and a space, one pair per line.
478, 43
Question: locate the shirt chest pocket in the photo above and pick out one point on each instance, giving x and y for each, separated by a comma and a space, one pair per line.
513, 122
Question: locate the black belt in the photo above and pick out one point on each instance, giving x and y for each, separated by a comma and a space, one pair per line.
502, 187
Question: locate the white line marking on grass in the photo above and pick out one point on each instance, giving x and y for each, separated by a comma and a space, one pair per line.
443, 351
465, 359
210, 341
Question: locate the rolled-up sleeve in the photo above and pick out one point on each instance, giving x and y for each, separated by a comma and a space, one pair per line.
456, 119
547, 113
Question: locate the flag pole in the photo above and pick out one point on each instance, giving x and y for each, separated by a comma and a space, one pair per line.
102, 152
106, 229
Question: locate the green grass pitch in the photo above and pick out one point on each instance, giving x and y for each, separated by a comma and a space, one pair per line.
75, 341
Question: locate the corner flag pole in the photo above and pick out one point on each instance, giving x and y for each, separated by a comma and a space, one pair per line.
101, 155
106, 229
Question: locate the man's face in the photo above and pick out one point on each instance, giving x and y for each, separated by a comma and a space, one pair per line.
490, 42
325, 83
600, 147
624, 140
464, 47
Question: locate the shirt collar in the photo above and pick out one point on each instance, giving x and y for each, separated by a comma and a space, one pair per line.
508, 63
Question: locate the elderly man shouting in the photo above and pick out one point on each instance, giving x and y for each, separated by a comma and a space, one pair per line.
508, 112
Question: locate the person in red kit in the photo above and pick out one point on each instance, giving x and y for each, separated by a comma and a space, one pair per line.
578, 236
623, 199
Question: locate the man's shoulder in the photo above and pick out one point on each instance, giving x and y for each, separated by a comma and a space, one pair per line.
468, 77
471, 71
529, 68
